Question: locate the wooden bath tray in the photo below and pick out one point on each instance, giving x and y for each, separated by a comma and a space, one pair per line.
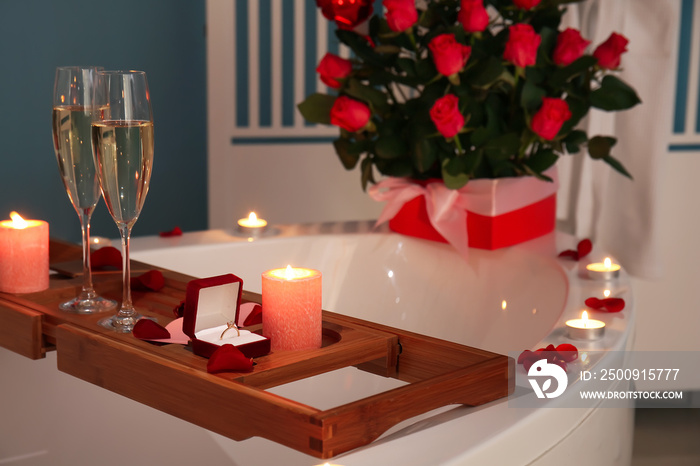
172, 379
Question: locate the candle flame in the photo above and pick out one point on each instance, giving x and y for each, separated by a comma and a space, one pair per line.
289, 273
606, 293
18, 221
584, 318
607, 262
252, 221
504, 305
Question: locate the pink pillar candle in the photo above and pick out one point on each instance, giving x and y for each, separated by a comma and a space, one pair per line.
24, 255
291, 302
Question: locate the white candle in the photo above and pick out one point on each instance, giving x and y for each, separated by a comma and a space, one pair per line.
606, 270
252, 225
585, 328
291, 302
24, 255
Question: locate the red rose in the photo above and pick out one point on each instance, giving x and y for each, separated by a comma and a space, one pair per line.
473, 15
331, 68
449, 55
521, 48
346, 13
350, 114
446, 116
400, 14
526, 4
550, 117
569, 48
608, 53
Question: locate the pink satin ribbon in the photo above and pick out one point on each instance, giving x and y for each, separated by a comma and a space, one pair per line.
447, 208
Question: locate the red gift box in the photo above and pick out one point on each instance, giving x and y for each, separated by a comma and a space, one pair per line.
210, 304
484, 214
484, 232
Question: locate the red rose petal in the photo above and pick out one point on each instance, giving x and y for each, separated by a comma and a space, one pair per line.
569, 253
151, 280
583, 248
228, 358
146, 329
107, 256
174, 232
524, 355
567, 352
606, 304
179, 310
528, 363
255, 316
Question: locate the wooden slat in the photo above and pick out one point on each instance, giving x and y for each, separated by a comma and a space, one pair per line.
21, 330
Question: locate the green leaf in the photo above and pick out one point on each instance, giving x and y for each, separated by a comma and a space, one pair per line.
542, 160
454, 172
599, 146
396, 167
366, 167
486, 73
616, 165
373, 96
614, 94
531, 97
574, 140
424, 155
390, 147
502, 147
317, 108
348, 152
564, 74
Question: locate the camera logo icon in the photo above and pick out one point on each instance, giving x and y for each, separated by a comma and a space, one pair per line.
545, 371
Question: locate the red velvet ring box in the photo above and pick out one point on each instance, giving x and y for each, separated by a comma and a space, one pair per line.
210, 303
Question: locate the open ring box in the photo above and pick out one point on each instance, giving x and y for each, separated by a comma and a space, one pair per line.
210, 303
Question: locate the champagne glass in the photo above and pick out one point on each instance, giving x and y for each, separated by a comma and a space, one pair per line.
72, 116
122, 142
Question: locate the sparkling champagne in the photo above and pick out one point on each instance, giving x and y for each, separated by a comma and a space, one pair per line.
124, 156
71, 138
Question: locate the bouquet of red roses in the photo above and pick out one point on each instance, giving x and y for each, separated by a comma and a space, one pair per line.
464, 89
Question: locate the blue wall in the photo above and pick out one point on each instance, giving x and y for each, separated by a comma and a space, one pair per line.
165, 39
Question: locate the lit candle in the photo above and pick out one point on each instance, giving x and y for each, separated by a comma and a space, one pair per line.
585, 328
24, 255
252, 225
606, 270
291, 302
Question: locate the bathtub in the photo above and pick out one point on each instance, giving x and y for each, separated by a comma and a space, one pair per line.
503, 301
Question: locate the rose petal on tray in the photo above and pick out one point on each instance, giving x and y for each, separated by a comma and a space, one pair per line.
146, 329
152, 280
228, 358
583, 248
107, 256
179, 310
251, 314
606, 304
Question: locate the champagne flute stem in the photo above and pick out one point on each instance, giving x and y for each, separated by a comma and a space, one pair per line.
127, 307
88, 291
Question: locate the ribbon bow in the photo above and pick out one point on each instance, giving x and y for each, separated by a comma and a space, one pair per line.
447, 208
